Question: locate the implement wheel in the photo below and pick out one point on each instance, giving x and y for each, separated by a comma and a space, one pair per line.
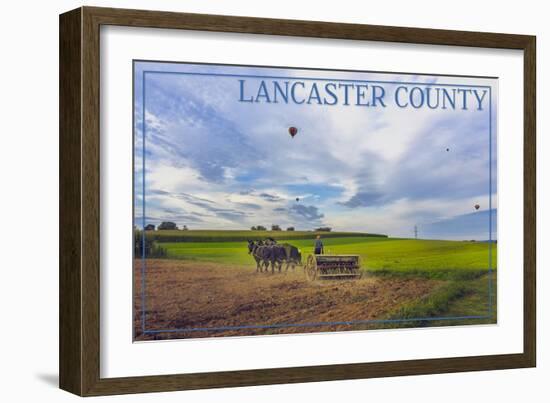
311, 268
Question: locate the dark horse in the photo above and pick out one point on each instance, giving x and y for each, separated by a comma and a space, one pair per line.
260, 253
293, 256
273, 254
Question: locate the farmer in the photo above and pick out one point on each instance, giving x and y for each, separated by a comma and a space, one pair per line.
319, 249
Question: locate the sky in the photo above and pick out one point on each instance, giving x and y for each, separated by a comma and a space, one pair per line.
212, 162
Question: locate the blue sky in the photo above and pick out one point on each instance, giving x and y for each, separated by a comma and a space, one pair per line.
212, 162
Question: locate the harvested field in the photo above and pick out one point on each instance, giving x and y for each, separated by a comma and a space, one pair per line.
183, 294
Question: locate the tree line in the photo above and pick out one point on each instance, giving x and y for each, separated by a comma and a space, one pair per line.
276, 227
169, 225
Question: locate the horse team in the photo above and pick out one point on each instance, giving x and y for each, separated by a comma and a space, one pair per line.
270, 253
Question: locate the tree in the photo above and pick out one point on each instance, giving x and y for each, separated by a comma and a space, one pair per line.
167, 225
323, 229
149, 227
290, 229
253, 228
275, 227
258, 228
184, 228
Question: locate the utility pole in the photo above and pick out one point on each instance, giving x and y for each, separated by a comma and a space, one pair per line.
415, 232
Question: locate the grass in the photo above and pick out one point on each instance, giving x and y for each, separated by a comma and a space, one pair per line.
475, 302
434, 305
380, 256
244, 235
461, 298
460, 267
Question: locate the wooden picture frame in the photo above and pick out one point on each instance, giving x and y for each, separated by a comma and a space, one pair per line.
79, 278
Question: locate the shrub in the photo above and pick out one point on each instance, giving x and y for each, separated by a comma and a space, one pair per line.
152, 248
167, 225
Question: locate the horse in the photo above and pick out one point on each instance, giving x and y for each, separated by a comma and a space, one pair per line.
260, 253
266, 255
277, 256
293, 256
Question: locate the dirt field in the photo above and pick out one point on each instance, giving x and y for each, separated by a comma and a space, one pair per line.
183, 295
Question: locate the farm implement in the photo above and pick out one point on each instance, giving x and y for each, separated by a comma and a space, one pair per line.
332, 267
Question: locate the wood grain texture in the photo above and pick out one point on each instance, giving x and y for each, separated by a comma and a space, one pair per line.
316, 29
530, 202
80, 196
70, 275
90, 202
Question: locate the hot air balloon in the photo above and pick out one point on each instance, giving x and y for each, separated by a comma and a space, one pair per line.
477, 206
447, 150
297, 199
292, 131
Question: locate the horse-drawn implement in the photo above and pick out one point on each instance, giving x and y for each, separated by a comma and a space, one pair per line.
317, 266
332, 267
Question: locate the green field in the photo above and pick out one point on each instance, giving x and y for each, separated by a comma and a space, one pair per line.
243, 235
460, 267
382, 256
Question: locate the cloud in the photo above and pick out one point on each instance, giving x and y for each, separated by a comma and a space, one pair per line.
309, 213
233, 215
252, 206
364, 199
233, 164
270, 197
465, 226
212, 141
448, 159
174, 215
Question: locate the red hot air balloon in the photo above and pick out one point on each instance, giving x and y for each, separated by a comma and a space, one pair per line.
292, 131
477, 206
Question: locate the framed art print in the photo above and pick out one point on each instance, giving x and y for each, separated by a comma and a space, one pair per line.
291, 201
253, 185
